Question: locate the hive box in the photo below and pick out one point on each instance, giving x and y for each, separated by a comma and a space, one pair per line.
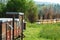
6, 28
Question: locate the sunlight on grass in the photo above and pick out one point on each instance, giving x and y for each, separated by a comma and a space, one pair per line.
32, 31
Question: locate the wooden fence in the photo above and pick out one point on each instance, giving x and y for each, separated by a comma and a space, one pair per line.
49, 21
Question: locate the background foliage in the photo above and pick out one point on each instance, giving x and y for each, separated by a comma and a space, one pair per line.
28, 7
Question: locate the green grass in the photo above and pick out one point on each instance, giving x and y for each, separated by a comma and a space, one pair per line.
32, 31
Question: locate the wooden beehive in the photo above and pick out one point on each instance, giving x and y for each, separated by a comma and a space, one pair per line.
6, 31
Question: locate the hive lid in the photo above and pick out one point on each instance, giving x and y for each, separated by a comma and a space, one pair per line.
7, 19
12, 13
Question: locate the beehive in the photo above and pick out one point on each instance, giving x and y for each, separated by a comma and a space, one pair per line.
6, 28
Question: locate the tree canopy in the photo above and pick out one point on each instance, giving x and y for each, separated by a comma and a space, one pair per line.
2, 10
28, 7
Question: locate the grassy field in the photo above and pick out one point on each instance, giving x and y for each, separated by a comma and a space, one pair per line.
32, 31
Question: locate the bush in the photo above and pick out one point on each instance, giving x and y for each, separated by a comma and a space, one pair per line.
32, 14
32, 17
50, 32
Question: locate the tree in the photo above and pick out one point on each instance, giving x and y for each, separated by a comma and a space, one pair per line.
47, 12
16, 6
26, 6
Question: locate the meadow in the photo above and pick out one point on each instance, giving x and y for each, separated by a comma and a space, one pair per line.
36, 31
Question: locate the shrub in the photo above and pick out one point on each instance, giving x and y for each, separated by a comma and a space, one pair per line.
31, 13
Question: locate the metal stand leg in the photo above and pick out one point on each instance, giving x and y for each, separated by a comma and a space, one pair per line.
13, 28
